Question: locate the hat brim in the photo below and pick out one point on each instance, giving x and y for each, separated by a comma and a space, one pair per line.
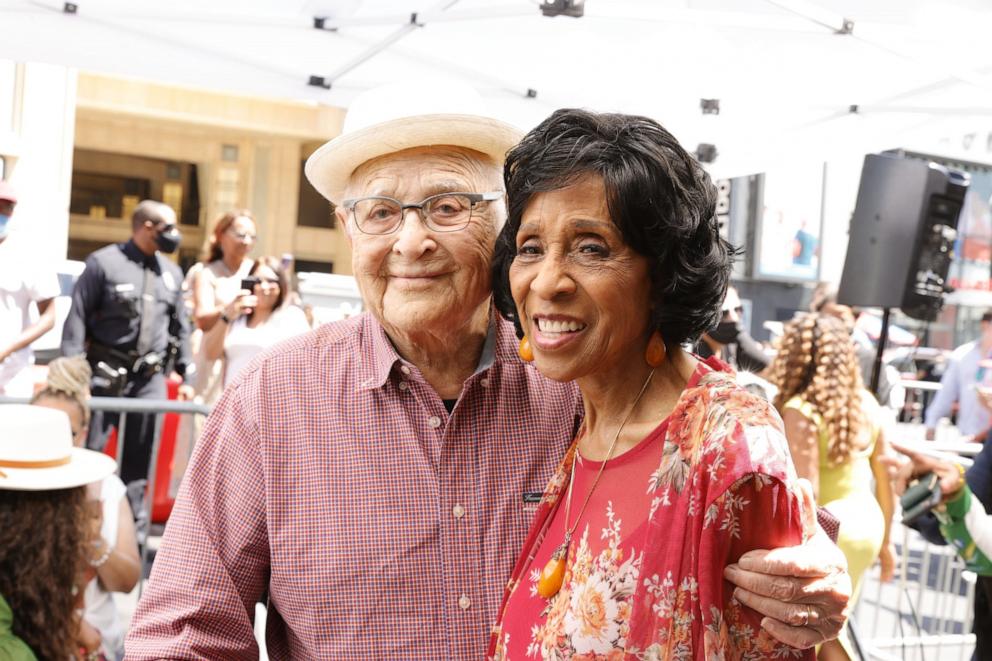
330, 167
84, 467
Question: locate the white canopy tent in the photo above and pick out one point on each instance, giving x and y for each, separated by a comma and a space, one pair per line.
793, 77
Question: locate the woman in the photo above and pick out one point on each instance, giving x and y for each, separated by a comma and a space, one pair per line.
45, 528
255, 320
611, 259
831, 423
218, 283
113, 553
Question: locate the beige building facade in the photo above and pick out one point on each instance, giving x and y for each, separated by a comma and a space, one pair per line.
83, 149
204, 153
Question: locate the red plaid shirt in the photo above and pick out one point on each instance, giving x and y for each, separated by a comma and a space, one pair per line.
331, 476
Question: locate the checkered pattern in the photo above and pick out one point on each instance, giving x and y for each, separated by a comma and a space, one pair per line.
331, 477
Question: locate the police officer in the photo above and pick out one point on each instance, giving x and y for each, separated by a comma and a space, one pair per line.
128, 317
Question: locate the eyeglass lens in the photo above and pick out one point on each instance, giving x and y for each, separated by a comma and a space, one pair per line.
382, 215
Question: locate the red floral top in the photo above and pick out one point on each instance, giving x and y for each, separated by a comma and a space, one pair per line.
644, 576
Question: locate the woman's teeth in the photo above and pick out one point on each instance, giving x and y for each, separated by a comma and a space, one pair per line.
549, 326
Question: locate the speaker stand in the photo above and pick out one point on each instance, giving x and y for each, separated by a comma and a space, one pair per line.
883, 338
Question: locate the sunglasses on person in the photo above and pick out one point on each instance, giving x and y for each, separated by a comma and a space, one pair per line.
251, 281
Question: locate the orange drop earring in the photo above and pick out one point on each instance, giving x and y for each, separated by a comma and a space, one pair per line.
655, 354
524, 351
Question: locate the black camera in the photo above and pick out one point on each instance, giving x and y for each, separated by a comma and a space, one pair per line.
921, 496
250, 282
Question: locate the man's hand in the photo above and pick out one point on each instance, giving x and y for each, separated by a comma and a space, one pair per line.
802, 591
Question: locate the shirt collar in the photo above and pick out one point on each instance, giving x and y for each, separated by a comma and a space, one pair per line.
6, 617
133, 252
380, 355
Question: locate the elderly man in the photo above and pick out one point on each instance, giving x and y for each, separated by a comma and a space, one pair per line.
375, 479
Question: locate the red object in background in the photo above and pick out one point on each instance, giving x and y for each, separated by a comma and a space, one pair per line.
161, 503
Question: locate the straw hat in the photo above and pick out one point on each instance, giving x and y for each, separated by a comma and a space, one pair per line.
36, 452
395, 117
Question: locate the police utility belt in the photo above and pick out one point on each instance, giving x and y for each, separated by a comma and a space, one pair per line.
112, 368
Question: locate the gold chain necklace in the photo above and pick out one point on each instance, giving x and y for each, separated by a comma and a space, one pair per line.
553, 573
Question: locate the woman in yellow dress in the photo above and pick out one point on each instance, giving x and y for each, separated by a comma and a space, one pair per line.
832, 425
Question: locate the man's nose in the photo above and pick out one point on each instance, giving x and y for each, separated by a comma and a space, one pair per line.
413, 236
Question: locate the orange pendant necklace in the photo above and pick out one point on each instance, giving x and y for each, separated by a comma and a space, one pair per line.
553, 574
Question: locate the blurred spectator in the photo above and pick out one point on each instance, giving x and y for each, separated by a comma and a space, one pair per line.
730, 342
968, 369
824, 301
21, 284
128, 317
215, 285
832, 425
114, 551
46, 528
255, 320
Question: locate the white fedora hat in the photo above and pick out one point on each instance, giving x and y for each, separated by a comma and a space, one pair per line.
36, 452
401, 116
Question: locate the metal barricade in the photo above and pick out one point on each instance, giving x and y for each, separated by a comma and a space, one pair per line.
125, 405
925, 612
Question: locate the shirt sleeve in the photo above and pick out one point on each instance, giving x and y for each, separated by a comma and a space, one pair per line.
940, 407
86, 297
43, 285
757, 512
213, 564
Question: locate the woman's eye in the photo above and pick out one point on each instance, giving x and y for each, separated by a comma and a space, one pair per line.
593, 249
528, 249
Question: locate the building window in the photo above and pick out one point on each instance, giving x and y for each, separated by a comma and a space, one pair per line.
314, 210
313, 266
108, 186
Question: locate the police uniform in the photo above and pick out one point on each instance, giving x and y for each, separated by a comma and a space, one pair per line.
128, 317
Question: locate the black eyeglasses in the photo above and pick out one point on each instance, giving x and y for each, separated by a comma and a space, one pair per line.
255, 280
444, 212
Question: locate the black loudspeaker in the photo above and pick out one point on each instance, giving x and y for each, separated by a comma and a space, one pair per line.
902, 235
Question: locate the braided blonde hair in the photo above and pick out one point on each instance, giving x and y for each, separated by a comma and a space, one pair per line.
69, 380
816, 361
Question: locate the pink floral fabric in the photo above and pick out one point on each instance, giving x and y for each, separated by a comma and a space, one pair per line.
652, 587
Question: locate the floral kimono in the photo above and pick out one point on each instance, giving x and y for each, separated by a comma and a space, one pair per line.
644, 576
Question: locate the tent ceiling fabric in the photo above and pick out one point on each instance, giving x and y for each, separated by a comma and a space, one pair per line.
785, 80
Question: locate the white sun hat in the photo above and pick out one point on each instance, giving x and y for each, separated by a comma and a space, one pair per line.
36, 452
391, 118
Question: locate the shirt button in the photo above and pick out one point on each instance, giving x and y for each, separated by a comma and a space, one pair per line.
403, 385
464, 602
458, 511
405, 369
434, 421
484, 382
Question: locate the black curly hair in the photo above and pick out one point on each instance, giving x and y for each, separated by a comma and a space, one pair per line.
658, 195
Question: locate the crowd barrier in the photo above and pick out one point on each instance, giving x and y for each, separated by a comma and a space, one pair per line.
170, 415
925, 613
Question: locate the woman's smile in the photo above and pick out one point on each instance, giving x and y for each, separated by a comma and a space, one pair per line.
553, 331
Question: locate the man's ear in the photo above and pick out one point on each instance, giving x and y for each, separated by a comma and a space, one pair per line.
342, 215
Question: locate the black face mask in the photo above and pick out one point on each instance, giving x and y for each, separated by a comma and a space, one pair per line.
726, 332
168, 240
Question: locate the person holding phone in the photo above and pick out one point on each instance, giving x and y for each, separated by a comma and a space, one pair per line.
257, 318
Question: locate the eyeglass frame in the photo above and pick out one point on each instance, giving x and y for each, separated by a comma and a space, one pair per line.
473, 198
